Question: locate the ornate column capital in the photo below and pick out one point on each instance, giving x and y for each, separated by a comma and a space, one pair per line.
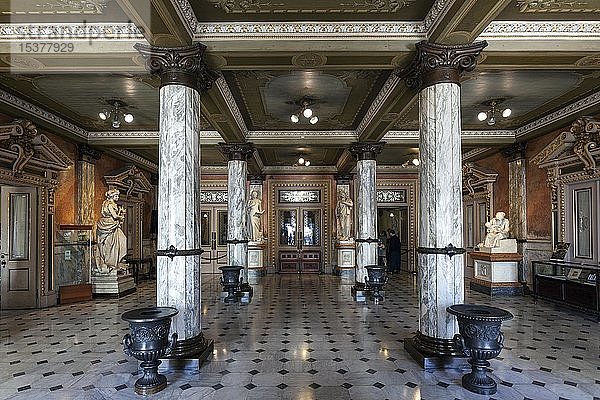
438, 63
178, 65
237, 151
515, 151
366, 150
87, 153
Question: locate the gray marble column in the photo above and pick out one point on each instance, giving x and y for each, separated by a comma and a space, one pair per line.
84, 174
517, 204
237, 202
183, 76
435, 71
366, 206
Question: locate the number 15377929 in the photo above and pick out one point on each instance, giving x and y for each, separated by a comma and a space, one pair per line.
46, 47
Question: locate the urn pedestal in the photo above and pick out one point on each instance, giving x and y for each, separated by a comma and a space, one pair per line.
231, 281
375, 280
480, 339
147, 342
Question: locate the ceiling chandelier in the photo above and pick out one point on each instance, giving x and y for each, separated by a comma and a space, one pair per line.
116, 114
303, 161
490, 114
307, 112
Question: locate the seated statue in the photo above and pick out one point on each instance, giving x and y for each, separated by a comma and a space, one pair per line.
497, 229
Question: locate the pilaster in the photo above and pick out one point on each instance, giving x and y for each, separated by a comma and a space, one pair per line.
84, 172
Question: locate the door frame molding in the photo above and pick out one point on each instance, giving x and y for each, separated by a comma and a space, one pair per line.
322, 183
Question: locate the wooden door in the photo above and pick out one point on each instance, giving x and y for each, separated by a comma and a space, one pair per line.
300, 240
18, 247
213, 239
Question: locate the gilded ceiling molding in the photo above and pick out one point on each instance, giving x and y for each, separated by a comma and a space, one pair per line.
254, 7
65, 31
389, 85
231, 104
187, 15
481, 134
310, 30
561, 6
34, 110
578, 106
436, 13
71, 7
123, 134
297, 134
139, 160
541, 29
299, 169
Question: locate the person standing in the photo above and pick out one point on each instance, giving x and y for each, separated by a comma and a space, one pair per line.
394, 248
381, 250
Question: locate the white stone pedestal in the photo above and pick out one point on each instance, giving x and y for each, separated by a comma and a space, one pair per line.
256, 261
112, 285
496, 273
346, 261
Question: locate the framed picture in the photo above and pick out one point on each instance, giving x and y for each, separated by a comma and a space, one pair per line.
574, 273
560, 251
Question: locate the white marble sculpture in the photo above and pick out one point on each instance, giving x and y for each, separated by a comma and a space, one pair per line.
497, 229
343, 213
256, 211
112, 243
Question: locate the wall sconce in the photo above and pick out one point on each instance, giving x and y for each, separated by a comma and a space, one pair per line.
490, 114
116, 113
306, 111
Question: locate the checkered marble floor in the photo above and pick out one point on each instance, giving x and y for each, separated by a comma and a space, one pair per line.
303, 338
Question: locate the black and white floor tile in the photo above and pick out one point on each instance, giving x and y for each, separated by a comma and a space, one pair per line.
301, 338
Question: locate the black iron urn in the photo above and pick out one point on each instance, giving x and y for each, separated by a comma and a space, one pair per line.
148, 341
375, 280
231, 281
480, 339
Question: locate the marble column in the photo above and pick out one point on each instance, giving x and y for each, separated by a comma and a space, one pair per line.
435, 71
237, 203
183, 76
517, 204
366, 207
84, 173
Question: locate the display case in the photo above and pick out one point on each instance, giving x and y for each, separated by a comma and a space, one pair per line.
73, 262
574, 284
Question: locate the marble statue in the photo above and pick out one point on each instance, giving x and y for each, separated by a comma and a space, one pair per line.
256, 211
497, 229
343, 213
112, 243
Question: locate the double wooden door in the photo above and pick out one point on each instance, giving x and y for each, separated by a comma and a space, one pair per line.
300, 242
213, 238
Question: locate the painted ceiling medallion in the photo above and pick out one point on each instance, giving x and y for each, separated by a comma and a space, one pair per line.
309, 60
314, 6
547, 6
77, 6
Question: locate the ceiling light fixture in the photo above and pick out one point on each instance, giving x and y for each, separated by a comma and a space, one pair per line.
490, 114
414, 161
307, 112
302, 162
116, 113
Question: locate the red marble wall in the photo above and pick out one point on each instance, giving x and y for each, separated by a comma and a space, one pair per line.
498, 163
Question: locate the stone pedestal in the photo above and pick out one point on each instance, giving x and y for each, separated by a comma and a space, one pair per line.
256, 261
346, 261
496, 273
112, 285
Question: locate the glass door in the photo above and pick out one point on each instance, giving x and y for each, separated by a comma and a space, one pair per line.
300, 240
213, 239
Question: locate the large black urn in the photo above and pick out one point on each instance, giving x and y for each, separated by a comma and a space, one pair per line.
231, 281
480, 339
148, 341
375, 280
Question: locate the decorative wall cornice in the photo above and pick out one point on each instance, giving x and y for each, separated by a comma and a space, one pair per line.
187, 15
141, 161
542, 29
469, 155
231, 104
437, 10
33, 110
578, 106
389, 85
178, 65
65, 31
310, 30
296, 134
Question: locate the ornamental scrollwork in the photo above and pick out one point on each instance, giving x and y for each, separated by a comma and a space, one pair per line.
213, 197
482, 332
391, 196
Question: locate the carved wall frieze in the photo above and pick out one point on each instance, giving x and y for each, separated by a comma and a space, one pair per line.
541, 29
231, 104
409, 30
391, 196
66, 31
389, 85
187, 14
550, 6
274, 7
74, 6
139, 160
475, 153
436, 12
435, 63
213, 196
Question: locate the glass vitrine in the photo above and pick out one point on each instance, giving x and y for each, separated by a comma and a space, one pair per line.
72, 255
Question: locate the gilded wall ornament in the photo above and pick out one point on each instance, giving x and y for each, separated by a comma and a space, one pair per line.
76, 6
547, 6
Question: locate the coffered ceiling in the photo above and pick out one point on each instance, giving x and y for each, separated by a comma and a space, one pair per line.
542, 61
